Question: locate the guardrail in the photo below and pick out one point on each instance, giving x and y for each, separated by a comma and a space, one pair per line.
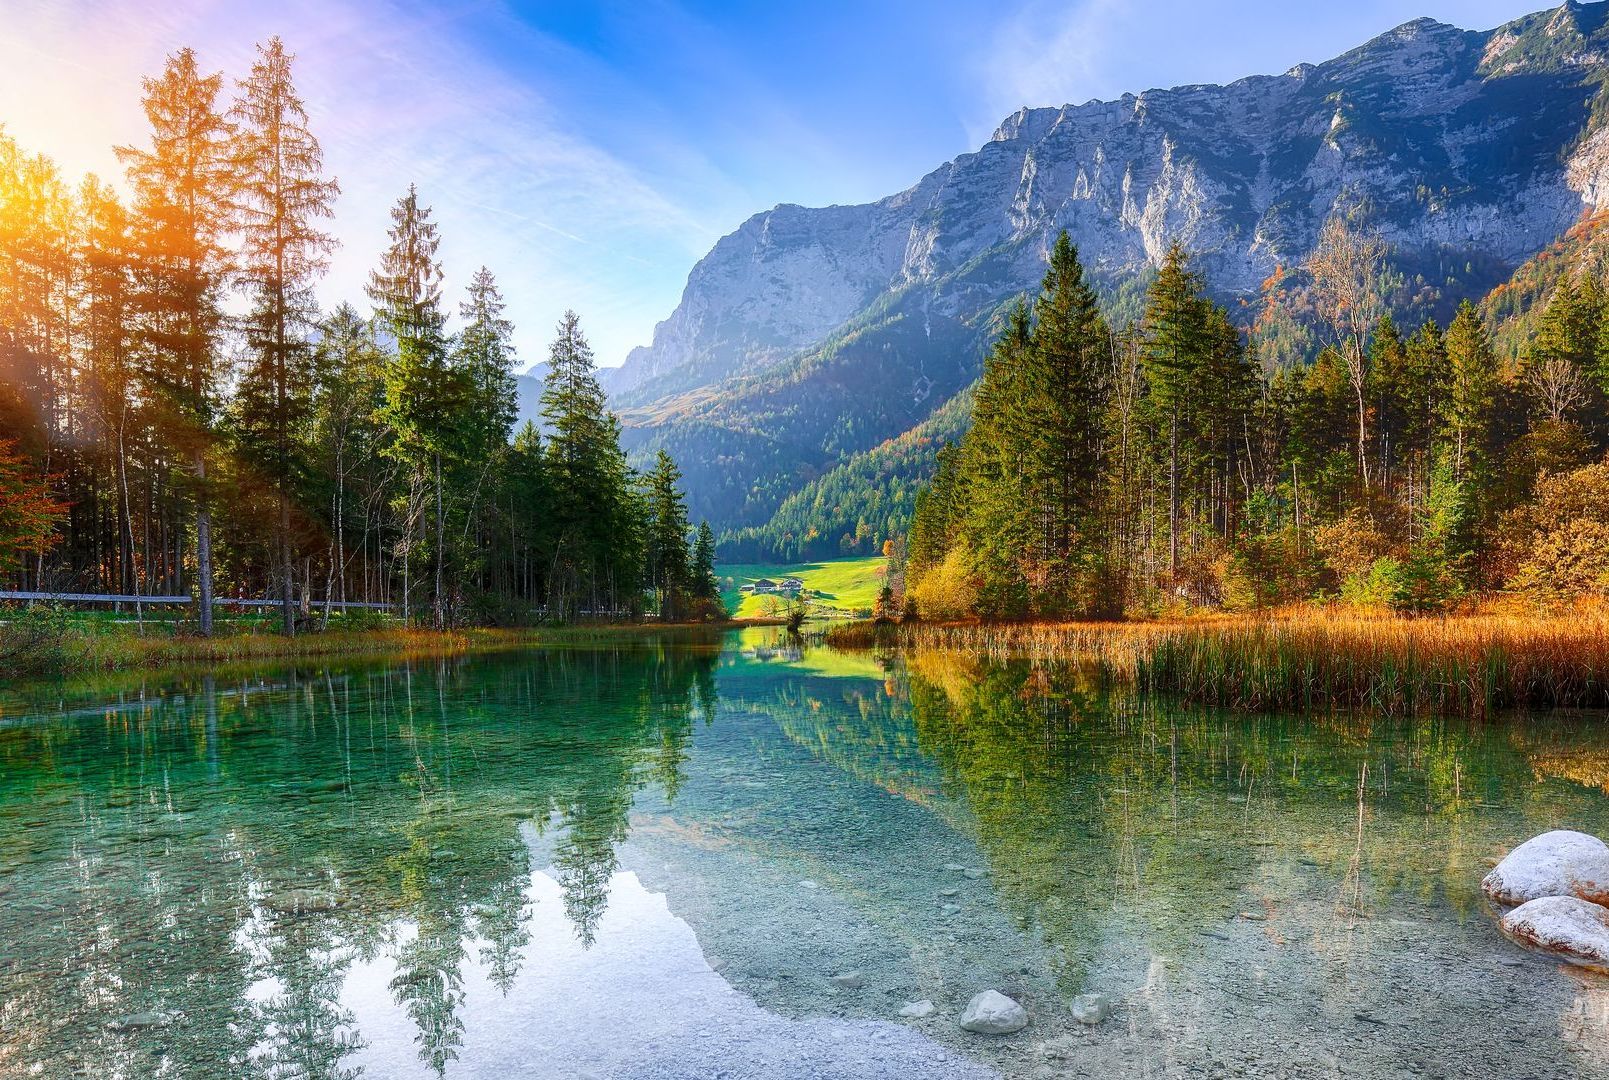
217, 601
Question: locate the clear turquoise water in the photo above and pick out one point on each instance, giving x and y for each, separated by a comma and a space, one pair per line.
653, 862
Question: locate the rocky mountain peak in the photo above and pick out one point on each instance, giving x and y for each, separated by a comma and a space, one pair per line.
1469, 151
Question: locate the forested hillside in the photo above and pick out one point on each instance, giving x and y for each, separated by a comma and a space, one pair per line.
857, 506
1159, 466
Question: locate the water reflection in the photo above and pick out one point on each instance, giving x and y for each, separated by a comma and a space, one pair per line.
651, 861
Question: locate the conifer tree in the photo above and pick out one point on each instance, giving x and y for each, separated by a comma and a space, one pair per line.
668, 573
426, 396
993, 510
1472, 391
184, 188
486, 355
705, 585
348, 434
597, 541
282, 196
1063, 413
1175, 343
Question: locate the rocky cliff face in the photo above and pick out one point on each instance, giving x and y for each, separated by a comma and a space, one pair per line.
1458, 145
807, 337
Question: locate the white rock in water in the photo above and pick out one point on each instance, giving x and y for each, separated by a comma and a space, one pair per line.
140, 1021
917, 1010
1558, 863
1091, 1008
992, 1013
1562, 926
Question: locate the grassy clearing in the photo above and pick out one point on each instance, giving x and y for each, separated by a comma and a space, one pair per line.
1462, 665
838, 587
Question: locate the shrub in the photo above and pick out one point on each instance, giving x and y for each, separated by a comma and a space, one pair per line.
948, 590
1557, 547
33, 640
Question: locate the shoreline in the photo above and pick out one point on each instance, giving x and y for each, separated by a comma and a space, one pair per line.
82, 652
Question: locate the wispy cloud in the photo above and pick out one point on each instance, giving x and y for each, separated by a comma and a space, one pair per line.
1049, 54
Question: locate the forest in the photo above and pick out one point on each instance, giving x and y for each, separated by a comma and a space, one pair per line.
179, 418
1166, 466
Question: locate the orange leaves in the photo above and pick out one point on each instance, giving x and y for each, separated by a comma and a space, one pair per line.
29, 513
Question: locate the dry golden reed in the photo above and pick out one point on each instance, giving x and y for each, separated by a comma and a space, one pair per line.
1465, 664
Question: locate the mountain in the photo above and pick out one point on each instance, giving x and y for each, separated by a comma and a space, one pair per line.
809, 336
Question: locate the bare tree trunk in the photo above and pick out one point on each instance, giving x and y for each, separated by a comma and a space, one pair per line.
203, 547
441, 614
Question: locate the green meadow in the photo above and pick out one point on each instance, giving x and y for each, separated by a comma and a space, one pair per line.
833, 587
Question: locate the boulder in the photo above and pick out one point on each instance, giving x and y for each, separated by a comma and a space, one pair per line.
1558, 863
992, 1013
1562, 926
917, 1010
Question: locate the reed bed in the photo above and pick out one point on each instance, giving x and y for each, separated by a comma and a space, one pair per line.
1461, 665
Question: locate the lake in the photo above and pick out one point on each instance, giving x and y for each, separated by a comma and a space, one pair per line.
739, 858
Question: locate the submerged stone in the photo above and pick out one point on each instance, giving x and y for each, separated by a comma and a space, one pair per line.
141, 1021
1091, 1008
917, 1010
992, 1013
1563, 926
1558, 863
304, 902
850, 981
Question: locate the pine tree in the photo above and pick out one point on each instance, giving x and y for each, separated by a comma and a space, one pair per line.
668, 573
1063, 411
1175, 344
486, 355
1472, 393
426, 396
705, 585
282, 195
996, 517
184, 190
597, 535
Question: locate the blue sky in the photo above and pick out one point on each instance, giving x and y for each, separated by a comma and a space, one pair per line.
591, 153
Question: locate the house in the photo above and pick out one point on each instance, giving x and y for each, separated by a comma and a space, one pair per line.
765, 585
790, 584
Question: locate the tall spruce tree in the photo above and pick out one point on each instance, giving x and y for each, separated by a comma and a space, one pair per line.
667, 567
1062, 415
1176, 343
705, 585
997, 523
282, 195
184, 188
486, 355
1472, 391
597, 540
426, 395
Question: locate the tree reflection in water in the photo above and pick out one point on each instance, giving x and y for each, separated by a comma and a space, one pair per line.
190, 869
194, 874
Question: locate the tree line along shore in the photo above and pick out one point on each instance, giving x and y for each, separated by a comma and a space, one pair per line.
178, 418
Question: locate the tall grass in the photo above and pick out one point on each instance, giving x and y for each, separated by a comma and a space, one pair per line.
1466, 665
46, 642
